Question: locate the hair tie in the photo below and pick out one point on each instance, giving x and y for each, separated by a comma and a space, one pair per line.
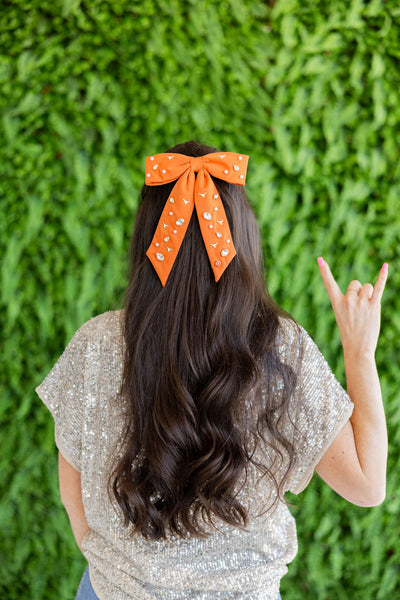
188, 192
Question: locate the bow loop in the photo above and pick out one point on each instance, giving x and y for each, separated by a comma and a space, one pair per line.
187, 193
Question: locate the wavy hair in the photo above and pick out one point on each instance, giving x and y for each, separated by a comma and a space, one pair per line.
193, 350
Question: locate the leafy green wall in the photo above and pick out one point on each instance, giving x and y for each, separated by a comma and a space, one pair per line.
310, 90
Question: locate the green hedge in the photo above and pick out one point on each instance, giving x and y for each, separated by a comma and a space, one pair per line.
309, 89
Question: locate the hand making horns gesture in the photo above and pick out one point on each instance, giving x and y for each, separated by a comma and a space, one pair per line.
357, 312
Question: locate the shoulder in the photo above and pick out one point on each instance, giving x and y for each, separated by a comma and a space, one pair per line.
295, 345
105, 326
290, 335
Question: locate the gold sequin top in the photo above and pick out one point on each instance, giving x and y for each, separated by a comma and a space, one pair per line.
231, 564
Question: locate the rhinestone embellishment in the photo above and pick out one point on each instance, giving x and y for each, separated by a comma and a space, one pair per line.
217, 263
236, 168
160, 256
216, 196
180, 221
219, 234
207, 216
166, 239
172, 200
224, 252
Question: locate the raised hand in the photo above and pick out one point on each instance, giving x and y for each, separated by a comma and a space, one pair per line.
355, 463
357, 312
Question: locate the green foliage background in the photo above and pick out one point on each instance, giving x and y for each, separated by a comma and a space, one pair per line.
310, 90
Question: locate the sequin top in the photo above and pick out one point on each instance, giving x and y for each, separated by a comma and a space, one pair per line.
231, 564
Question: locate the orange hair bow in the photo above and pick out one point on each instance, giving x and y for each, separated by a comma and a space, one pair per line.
187, 193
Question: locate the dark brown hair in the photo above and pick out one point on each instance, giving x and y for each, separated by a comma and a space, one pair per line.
192, 351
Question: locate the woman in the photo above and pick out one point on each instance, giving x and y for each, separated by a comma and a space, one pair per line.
182, 419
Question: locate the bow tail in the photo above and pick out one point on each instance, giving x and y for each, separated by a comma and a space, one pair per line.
213, 224
172, 226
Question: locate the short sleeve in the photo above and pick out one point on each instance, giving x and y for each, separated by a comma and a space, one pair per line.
62, 391
321, 407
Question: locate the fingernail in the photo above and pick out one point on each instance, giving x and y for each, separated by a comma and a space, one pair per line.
321, 261
385, 267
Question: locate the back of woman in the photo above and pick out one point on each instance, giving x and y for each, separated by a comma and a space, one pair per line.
183, 418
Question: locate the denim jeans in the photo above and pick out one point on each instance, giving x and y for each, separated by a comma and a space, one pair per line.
86, 592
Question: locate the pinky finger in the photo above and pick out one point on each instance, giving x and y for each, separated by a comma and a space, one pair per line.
380, 284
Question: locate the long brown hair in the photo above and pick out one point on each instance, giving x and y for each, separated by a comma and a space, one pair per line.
192, 351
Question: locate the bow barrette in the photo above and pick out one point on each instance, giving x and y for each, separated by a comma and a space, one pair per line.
190, 192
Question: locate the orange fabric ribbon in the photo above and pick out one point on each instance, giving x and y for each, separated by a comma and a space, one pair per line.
188, 192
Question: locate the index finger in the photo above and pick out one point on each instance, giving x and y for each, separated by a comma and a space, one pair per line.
330, 284
380, 284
